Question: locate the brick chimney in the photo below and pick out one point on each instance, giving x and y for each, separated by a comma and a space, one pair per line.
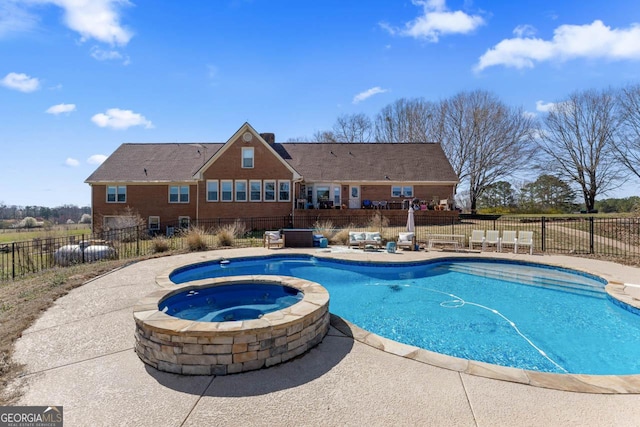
269, 137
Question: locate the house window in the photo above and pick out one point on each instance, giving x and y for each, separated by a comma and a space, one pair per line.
255, 191
241, 191
154, 223
179, 194
212, 191
247, 157
269, 191
184, 221
402, 191
336, 196
226, 191
284, 191
116, 194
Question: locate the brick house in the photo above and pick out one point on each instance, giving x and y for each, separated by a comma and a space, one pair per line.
253, 176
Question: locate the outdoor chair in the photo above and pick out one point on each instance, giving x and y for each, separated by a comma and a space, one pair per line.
364, 239
477, 236
273, 238
406, 240
492, 238
525, 238
509, 239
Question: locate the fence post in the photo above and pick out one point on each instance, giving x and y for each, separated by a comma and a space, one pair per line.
544, 229
591, 235
138, 240
13, 260
81, 246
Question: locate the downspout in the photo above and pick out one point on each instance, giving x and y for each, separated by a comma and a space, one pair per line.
294, 199
197, 201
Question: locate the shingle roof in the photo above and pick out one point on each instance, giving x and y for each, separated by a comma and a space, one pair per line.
163, 162
357, 162
407, 162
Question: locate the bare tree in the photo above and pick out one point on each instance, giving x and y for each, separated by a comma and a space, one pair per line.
628, 146
323, 136
484, 139
353, 128
407, 120
577, 138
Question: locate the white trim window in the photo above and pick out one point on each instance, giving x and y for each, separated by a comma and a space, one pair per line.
154, 223
247, 157
284, 191
241, 191
402, 191
269, 191
178, 194
213, 194
226, 191
255, 190
116, 194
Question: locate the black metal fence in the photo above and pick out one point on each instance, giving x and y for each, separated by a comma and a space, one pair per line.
581, 235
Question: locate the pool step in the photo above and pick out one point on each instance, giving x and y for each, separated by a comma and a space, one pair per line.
517, 274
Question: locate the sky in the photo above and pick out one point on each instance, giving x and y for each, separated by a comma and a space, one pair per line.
80, 77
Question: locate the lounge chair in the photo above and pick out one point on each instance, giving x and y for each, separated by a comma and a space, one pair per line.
525, 238
406, 240
477, 236
492, 238
509, 238
273, 238
362, 239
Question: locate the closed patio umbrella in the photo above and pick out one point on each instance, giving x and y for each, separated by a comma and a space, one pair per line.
411, 224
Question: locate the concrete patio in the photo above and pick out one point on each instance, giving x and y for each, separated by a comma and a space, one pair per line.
80, 355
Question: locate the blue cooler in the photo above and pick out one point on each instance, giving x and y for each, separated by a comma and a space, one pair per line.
324, 242
391, 247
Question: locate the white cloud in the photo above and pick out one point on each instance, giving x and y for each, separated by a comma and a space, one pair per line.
21, 82
95, 19
524, 30
109, 55
96, 159
544, 108
368, 94
591, 41
71, 162
15, 19
529, 115
61, 108
116, 118
436, 21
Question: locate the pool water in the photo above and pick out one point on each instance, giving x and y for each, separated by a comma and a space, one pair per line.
514, 314
225, 303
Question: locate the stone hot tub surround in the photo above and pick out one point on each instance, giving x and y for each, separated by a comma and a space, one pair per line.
189, 347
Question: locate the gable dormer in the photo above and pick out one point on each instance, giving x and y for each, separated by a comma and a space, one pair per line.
246, 155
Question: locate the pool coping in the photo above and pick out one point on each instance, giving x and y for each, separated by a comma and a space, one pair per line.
582, 383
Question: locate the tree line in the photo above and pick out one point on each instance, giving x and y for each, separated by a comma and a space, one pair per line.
584, 145
57, 215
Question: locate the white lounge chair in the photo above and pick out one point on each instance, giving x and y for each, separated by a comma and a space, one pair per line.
362, 239
406, 240
477, 236
273, 238
525, 238
509, 238
492, 238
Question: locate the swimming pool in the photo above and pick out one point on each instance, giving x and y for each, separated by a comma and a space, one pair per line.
514, 314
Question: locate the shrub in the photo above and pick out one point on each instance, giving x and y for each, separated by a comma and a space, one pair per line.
160, 244
226, 234
341, 237
196, 239
324, 227
378, 221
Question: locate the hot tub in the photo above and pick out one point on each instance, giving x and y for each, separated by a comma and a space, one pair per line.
229, 325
